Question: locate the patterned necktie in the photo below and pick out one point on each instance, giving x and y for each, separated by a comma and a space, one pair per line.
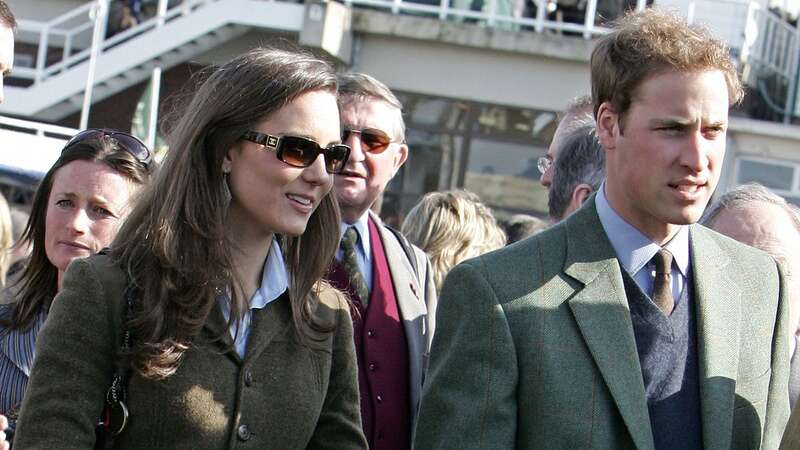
662, 284
350, 263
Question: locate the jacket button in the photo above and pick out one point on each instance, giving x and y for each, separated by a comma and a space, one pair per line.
380, 398
372, 367
244, 432
370, 333
248, 378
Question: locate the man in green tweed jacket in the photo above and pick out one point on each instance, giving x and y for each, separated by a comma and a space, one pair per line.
627, 325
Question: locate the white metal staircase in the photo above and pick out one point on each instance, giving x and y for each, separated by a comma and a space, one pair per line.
127, 58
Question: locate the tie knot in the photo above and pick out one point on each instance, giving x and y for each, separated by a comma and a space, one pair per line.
663, 260
350, 238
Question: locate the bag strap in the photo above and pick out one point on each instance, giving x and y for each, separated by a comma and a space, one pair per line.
116, 409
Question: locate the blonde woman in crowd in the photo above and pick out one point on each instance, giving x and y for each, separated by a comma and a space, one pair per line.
231, 338
452, 226
6, 239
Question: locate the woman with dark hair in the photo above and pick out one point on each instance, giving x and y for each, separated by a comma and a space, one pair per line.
77, 210
215, 279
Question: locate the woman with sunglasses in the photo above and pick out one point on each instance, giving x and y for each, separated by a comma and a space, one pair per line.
233, 337
77, 210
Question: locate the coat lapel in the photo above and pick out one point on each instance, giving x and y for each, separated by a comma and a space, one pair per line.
267, 323
716, 297
412, 308
217, 328
603, 317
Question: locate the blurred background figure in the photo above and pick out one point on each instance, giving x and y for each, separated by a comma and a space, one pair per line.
754, 215
20, 249
77, 210
578, 113
520, 226
452, 226
577, 173
6, 240
7, 25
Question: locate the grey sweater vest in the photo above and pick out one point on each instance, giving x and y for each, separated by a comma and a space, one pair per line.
667, 348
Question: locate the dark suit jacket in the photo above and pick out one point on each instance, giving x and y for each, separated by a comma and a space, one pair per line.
535, 347
282, 395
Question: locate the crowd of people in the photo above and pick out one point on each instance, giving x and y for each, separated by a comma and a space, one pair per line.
243, 292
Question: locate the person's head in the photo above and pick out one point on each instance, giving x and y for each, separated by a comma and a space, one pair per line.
77, 209
755, 216
521, 226
452, 226
661, 91
7, 25
6, 239
577, 115
236, 175
372, 120
578, 171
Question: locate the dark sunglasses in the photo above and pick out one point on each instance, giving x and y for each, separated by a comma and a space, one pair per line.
298, 151
372, 140
125, 141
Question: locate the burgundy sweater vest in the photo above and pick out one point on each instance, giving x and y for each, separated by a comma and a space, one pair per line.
382, 352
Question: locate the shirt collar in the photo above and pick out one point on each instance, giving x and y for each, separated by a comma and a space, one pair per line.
274, 278
362, 227
634, 250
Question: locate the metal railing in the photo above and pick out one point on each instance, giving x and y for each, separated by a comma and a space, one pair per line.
37, 128
539, 15
71, 35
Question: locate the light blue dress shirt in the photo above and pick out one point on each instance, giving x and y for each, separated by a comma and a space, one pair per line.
635, 250
274, 282
363, 249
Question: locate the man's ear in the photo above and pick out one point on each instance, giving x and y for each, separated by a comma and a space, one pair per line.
580, 194
400, 158
607, 126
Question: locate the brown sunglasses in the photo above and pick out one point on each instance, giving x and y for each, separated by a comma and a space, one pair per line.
372, 140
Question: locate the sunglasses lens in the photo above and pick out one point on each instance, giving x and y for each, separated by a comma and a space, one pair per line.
336, 158
374, 141
297, 151
132, 145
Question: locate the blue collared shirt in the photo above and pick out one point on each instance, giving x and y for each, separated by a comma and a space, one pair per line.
363, 249
274, 282
635, 250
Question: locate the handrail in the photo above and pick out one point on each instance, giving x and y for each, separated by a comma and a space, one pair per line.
38, 128
55, 27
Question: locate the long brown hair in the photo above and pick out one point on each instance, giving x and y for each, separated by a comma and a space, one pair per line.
38, 283
175, 246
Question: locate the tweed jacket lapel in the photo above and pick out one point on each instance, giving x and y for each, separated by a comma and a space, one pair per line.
603, 317
716, 297
217, 327
267, 323
413, 311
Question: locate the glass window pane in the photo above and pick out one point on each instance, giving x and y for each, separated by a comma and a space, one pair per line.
505, 176
772, 176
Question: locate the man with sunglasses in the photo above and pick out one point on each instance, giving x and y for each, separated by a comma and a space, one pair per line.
7, 25
387, 278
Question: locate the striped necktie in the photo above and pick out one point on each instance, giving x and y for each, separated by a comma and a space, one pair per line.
350, 263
